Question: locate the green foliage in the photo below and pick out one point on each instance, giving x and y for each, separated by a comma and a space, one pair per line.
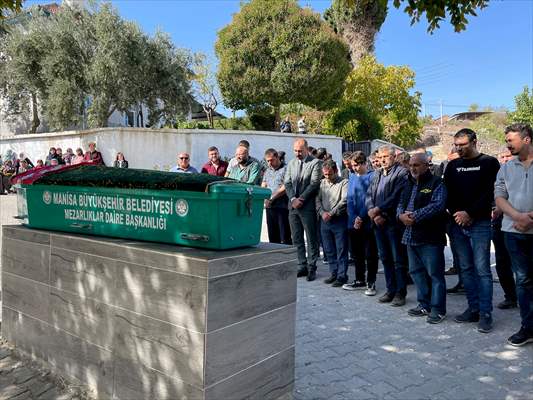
523, 107
236, 124
491, 126
354, 123
205, 86
473, 107
9, 5
436, 11
384, 92
275, 52
357, 22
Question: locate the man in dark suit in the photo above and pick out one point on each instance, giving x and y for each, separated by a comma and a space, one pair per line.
302, 181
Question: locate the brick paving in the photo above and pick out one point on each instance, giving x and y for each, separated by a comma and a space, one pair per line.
349, 346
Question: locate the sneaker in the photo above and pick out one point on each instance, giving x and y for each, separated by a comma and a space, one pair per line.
331, 279
418, 311
435, 318
370, 289
302, 272
457, 289
338, 283
325, 261
485, 323
467, 316
521, 338
507, 304
311, 276
451, 271
386, 298
355, 285
398, 300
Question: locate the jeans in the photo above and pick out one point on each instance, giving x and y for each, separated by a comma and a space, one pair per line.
335, 241
472, 246
426, 265
503, 262
388, 240
279, 230
365, 254
300, 221
520, 248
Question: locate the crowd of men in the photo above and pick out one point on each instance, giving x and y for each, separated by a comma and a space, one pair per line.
397, 208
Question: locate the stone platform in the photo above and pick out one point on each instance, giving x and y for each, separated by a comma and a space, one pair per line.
137, 320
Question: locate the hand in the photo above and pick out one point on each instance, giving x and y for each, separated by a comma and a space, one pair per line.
379, 220
462, 218
358, 223
374, 212
326, 216
268, 203
297, 203
407, 218
523, 222
496, 213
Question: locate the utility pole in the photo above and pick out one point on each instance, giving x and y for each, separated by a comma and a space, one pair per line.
440, 112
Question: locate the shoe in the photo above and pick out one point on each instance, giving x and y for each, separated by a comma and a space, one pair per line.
386, 298
451, 271
507, 304
324, 261
418, 311
354, 285
302, 272
338, 283
521, 338
485, 323
435, 318
457, 289
331, 279
467, 316
311, 276
370, 289
398, 300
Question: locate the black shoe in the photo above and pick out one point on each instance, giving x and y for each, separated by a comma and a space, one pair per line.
338, 283
418, 311
507, 304
398, 301
457, 289
311, 276
355, 285
485, 323
331, 279
302, 272
386, 298
467, 316
451, 271
521, 338
435, 318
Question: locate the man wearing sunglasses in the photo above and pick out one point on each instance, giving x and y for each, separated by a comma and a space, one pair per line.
184, 166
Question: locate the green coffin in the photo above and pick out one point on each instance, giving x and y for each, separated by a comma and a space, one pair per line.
226, 215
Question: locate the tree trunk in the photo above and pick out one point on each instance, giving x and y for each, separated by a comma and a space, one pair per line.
35, 113
277, 117
360, 39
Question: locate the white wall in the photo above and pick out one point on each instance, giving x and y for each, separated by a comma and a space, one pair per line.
158, 149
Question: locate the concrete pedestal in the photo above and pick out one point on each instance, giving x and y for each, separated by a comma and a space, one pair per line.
137, 320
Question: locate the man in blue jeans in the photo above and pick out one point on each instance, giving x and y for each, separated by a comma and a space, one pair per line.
331, 208
382, 200
422, 210
514, 196
469, 181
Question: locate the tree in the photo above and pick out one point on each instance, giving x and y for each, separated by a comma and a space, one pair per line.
473, 107
205, 87
384, 93
10, 5
357, 23
523, 107
274, 52
354, 123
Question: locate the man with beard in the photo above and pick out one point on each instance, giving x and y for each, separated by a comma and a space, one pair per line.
215, 166
247, 170
514, 196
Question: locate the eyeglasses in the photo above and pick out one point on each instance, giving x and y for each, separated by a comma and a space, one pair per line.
184, 158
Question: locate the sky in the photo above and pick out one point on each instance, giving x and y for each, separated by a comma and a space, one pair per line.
488, 64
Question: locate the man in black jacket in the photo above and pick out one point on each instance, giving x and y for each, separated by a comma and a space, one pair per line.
382, 201
422, 210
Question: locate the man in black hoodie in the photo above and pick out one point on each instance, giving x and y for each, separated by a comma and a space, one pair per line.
470, 184
382, 200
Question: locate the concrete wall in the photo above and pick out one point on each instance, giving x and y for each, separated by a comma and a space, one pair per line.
158, 149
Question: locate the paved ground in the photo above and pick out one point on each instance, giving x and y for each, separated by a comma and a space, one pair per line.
349, 346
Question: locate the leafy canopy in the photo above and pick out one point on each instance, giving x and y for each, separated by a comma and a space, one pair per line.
523, 107
275, 52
